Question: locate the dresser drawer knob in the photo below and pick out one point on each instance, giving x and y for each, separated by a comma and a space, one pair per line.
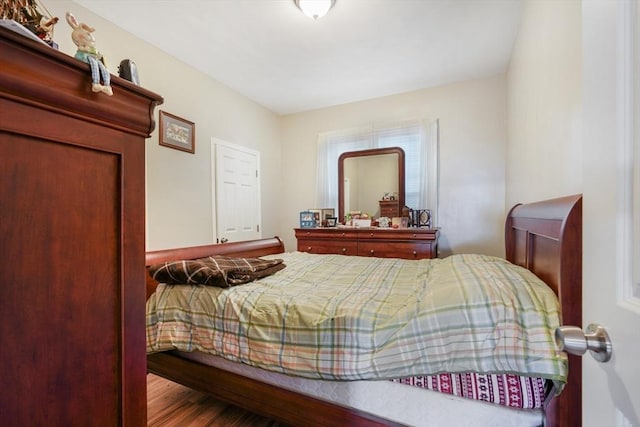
344, 250
371, 234
308, 248
372, 252
415, 253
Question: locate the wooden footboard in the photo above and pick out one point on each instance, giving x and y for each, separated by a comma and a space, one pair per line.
265, 399
545, 237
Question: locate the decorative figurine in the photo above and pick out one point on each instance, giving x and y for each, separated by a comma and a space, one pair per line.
26, 13
87, 52
45, 30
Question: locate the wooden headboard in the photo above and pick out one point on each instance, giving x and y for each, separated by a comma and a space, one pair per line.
546, 238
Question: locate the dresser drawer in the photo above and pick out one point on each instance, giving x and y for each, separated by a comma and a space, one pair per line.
326, 233
396, 234
397, 250
389, 208
317, 246
407, 243
389, 212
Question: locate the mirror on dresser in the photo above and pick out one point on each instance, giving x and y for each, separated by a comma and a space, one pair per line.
365, 176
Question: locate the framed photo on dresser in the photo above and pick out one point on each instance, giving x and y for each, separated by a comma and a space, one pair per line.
327, 213
422, 218
307, 219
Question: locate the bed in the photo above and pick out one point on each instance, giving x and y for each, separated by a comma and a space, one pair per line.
543, 237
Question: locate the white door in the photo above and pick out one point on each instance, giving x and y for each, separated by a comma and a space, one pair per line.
611, 209
236, 175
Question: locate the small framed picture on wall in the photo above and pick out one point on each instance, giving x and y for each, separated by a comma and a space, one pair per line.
177, 133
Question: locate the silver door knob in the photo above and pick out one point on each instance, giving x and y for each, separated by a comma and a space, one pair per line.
595, 339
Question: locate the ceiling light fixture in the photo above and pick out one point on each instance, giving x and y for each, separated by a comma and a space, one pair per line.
314, 8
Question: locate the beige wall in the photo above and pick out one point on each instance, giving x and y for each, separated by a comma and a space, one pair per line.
480, 176
472, 119
544, 157
179, 201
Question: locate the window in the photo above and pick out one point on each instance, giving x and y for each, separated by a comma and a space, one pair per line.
418, 139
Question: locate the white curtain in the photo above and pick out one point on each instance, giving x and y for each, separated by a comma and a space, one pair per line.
418, 139
330, 146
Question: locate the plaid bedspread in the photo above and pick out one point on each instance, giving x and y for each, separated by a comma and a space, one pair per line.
347, 318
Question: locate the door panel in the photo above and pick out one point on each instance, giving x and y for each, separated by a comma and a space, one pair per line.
610, 209
237, 187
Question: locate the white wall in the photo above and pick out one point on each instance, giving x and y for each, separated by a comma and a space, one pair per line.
544, 156
179, 204
472, 119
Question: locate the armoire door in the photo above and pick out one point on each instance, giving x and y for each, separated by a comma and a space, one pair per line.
72, 200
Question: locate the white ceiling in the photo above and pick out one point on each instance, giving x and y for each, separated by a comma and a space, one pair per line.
272, 53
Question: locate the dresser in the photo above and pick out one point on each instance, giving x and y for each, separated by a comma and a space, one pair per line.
72, 192
407, 243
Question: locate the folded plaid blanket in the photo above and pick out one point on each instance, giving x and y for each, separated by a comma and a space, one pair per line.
220, 271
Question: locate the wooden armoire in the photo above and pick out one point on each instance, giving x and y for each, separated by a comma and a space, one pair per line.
72, 213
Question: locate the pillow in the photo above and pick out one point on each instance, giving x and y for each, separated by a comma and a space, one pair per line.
220, 271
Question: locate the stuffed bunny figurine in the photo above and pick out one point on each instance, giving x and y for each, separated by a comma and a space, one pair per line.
87, 52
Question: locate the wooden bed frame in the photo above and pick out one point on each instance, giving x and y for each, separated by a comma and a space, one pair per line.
545, 237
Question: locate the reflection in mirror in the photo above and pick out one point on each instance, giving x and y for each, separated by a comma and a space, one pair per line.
365, 176
367, 179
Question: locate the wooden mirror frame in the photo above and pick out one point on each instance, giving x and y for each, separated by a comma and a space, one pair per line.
364, 153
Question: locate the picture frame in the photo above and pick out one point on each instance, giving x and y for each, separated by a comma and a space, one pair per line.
422, 218
332, 222
327, 213
307, 219
317, 215
177, 133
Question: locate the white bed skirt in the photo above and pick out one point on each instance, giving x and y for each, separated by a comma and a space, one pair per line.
400, 403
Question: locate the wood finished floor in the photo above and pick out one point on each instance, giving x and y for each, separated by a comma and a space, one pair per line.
172, 404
